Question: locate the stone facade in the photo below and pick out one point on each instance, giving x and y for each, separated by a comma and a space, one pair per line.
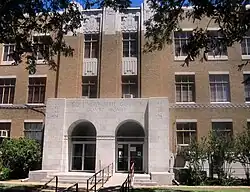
155, 73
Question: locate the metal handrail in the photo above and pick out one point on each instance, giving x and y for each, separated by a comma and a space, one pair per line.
46, 184
70, 187
103, 179
128, 183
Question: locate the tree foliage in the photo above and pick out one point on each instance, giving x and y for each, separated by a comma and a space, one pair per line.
21, 19
231, 16
242, 151
20, 156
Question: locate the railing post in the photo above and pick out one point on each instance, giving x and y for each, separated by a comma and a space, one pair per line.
95, 182
76, 187
87, 185
108, 171
56, 183
102, 177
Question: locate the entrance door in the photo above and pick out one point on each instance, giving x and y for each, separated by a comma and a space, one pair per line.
83, 157
127, 154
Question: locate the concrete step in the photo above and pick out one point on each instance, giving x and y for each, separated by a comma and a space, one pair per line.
143, 180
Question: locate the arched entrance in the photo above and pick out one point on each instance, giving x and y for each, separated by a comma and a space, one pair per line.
83, 147
130, 138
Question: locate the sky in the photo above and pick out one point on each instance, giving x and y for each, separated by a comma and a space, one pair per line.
136, 3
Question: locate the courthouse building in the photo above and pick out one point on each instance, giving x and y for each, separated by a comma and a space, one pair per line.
117, 104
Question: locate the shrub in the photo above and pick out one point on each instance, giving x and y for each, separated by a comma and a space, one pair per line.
20, 156
5, 174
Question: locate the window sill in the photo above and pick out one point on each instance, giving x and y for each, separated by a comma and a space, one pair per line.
217, 58
180, 58
245, 57
6, 104
35, 104
247, 102
221, 102
7, 63
185, 103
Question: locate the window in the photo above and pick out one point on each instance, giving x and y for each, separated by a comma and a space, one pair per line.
7, 90
245, 45
186, 132
247, 87
37, 86
180, 40
223, 129
89, 87
185, 88
4, 130
91, 46
216, 47
129, 87
219, 88
41, 46
8, 49
129, 44
33, 130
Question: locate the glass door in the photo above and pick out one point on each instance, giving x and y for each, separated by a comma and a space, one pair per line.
89, 157
136, 157
77, 157
122, 164
83, 157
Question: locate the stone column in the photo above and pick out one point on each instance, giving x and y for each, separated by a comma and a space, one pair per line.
158, 135
53, 134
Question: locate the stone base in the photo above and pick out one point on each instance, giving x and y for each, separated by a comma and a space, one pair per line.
39, 175
162, 178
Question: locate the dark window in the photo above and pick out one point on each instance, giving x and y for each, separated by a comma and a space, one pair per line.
41, 46
245, 45
247, 86
130, 44
7, 90
185, 88
219, 88
223, 129
37, 86
33, 131
129, 86
4, 131
91, 46
180, 40
186, 132
89, 87
8, 49
217, 48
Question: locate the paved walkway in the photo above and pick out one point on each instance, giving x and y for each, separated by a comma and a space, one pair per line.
116, 180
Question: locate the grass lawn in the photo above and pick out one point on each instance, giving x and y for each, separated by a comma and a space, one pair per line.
195, 189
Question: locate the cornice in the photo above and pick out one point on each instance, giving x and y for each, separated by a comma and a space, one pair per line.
209, 105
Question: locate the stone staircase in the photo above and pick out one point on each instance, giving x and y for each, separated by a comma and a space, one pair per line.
143, 180
70, 177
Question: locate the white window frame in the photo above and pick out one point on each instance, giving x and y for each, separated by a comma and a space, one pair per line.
180, 58
1, 130
216, 57
39, 61
37, 76
91, 41
6, 62
183, 74
245, 73
185, 121
219, 73
9, 77
245, 38
129, 40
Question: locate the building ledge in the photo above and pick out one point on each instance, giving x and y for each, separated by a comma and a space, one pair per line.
210, 105
21, 106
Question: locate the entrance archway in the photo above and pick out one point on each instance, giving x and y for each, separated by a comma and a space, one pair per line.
83, 147
130, 138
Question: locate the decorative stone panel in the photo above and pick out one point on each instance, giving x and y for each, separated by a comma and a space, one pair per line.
130, 22
129, 66
90, 67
